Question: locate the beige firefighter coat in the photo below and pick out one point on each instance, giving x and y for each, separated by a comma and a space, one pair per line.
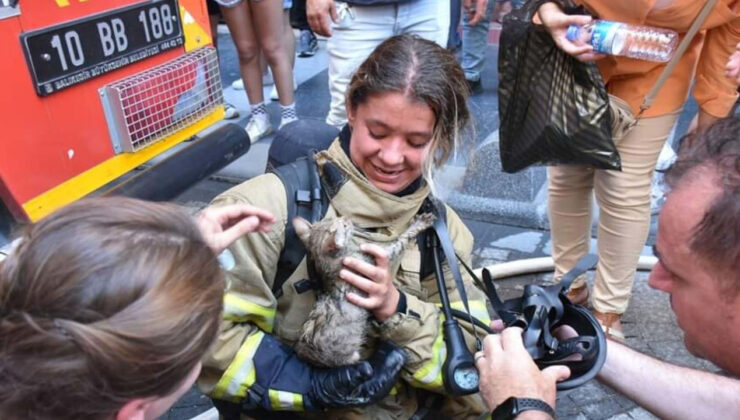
251, 310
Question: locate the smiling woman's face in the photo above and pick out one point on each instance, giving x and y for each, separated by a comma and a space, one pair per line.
390, 134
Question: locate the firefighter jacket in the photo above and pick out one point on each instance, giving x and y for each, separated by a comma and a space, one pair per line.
251, 311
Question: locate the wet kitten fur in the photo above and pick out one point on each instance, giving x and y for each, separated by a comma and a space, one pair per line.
336, 329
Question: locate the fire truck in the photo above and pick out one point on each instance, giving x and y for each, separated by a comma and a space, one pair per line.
91, 90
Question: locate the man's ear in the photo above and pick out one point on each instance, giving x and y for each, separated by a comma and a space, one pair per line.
133, 410
302, 229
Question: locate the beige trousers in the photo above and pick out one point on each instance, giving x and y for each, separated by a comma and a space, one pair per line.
624, 212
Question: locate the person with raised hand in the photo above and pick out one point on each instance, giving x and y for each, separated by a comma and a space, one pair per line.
107, 306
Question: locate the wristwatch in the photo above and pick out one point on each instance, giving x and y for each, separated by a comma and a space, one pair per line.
513, 406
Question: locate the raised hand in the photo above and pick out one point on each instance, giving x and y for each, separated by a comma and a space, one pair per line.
220, 226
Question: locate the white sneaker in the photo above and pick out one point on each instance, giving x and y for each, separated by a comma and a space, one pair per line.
657, 187
274, 93
284, 122
257, 128
657, 193
230, 112
238, 84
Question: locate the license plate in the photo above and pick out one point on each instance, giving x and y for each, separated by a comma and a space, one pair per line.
65, 55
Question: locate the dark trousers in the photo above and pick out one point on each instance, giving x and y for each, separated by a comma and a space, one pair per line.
298, 19
453, 39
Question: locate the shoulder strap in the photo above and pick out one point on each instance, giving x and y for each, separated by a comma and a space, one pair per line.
650, 97
440, 229
306, 199
426, 266
437, 237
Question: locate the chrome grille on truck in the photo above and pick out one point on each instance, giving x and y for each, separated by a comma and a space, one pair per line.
149, 106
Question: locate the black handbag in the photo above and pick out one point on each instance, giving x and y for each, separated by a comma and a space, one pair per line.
553, 108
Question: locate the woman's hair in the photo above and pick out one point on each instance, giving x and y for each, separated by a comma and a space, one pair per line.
424, 72
102, 302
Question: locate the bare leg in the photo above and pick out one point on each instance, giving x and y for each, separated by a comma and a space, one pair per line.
289, 42
289, 37
229, 111
268, 20
239, 20
213, 21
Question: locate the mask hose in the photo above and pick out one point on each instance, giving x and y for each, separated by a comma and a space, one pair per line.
460, 376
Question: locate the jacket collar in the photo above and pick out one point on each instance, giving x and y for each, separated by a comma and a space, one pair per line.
352, 195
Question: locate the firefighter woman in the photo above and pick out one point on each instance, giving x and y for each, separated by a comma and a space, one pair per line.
406, 106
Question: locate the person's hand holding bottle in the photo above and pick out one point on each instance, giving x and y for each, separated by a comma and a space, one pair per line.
557, 22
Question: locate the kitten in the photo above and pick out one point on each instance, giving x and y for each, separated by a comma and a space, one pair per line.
336, 329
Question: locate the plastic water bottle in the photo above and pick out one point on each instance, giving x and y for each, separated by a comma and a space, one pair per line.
616, 38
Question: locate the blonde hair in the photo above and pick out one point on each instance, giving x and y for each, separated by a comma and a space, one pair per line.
425, 72
104, 301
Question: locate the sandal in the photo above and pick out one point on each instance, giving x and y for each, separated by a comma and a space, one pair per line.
612, 326
578, 295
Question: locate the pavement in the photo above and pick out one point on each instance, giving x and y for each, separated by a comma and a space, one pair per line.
649, 323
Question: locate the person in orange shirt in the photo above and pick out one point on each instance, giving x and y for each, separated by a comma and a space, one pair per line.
624, 196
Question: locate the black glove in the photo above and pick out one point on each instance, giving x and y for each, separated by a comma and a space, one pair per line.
363, 383
278, 368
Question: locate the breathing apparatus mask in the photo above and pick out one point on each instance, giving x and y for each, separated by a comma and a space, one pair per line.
539, 312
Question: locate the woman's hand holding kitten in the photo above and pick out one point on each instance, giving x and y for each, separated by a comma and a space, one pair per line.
374, 280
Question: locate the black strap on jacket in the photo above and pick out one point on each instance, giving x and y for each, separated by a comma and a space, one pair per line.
430, 241
305, 198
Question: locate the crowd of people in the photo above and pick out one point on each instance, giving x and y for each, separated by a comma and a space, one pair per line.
114, 307
352, 29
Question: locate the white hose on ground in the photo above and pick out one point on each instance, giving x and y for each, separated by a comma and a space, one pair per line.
543, 264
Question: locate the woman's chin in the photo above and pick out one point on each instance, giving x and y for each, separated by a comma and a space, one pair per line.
390, 183
390, 187
384, 187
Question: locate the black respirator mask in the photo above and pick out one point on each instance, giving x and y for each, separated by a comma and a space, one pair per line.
539, 311
543, 309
